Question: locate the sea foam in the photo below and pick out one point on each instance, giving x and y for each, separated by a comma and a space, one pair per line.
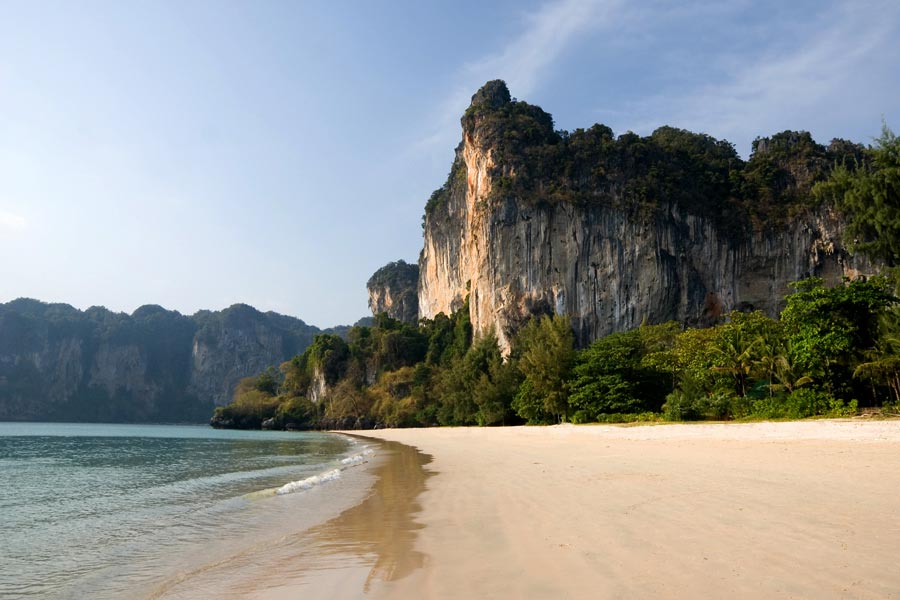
333, 474
357, 458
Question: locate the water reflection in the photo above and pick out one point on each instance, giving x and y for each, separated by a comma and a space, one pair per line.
368, 543
384, 525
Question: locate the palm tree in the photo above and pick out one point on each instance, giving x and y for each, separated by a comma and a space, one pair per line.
883, 365
787, 372
770, 347
737, 358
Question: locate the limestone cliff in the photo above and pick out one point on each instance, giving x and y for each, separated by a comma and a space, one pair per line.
613, 232
59, 363
393, 291
239, 342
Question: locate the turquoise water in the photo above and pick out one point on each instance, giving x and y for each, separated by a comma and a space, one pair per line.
109, 511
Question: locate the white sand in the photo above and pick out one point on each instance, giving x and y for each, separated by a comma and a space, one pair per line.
763, 510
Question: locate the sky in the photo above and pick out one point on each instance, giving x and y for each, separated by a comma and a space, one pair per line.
198, 154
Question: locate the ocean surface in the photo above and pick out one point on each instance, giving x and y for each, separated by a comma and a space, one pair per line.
125, 511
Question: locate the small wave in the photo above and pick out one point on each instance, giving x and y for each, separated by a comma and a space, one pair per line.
311, 482
358, 458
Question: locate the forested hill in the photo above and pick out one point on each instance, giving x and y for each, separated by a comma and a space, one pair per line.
154, 365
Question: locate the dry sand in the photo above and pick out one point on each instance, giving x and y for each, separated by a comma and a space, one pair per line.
763, 510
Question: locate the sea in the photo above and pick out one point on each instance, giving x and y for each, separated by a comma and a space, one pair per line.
132, 511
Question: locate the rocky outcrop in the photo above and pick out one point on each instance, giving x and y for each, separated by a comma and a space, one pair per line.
238, 342
580, 241
59, 363
393, 290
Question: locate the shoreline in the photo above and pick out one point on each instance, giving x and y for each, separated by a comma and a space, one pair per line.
254, 564
797, 509
358, 541
368, 545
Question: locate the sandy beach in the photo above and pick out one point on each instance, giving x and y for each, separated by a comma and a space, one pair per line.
762, 510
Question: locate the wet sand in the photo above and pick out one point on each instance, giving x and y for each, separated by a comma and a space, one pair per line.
762, 510
332, 546
366, 546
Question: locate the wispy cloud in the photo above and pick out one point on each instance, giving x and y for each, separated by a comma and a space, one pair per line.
546, 35
523, 60
11, 222
813, 82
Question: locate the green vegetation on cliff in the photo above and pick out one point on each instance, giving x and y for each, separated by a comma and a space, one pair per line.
669, 169
867, 188
831, 351
393, 289
394, 274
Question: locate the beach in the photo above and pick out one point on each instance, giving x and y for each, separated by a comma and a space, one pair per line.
760, 510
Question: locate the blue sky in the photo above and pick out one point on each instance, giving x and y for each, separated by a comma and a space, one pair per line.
198, 154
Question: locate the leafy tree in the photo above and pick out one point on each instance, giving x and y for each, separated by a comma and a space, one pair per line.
475, 388
788, 374
456, 402
347, 406
398, 397
610, 376
439, 332
496, 384
869, 194
296, 376
447, 337
783, 168
545, 349
829, 328
691, 357
881, 364
249, 407
267, 382
330, 354
739, 347
401, 347
296, 412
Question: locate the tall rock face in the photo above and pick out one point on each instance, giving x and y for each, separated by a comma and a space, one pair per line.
617, 231
238, 342
393, 289
155, 365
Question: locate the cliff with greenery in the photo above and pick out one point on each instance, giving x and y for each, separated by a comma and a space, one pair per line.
393, 290
831, 349
615, 230
155, 365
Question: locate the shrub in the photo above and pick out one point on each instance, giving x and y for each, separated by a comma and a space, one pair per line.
801, 403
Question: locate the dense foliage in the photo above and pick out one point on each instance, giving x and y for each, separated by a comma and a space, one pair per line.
867, 189
395, 274
832, 351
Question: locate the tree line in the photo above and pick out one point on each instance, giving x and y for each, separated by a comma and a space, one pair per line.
831, 351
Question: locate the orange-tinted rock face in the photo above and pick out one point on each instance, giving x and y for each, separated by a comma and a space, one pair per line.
607, 263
